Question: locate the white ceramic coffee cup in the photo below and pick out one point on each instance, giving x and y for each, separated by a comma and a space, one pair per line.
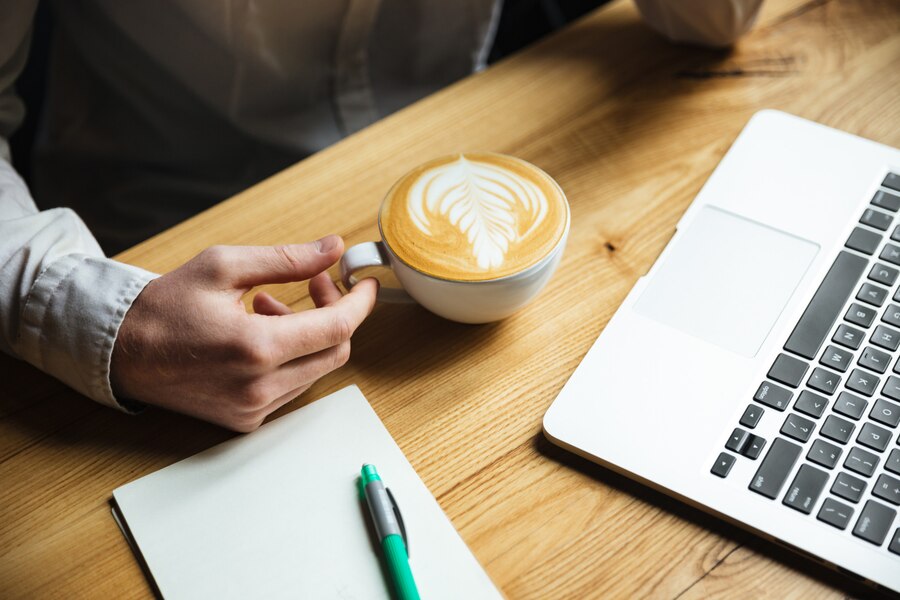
481, 301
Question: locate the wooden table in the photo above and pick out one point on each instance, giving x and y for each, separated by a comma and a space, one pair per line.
631, 127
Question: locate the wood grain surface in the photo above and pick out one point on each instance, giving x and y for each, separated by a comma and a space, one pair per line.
631, 126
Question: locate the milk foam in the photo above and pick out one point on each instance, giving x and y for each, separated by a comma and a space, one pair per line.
484, 201
474, 216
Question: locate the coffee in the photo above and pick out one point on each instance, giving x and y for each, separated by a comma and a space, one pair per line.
471, 237
474, 217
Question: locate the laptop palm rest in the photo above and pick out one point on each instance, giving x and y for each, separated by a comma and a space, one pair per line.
726, 280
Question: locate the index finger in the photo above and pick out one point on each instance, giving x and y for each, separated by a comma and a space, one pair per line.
314, 330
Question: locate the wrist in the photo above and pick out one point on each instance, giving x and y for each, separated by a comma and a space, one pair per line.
127, 347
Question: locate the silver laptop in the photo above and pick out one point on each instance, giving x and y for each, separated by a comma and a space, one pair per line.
753, 371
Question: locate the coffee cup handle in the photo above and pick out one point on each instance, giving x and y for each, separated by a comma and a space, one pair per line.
371, 254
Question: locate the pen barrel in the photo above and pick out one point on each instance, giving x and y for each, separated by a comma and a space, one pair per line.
398, 564
382, 509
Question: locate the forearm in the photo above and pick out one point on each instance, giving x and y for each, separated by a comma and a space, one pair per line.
707, 22
61, 299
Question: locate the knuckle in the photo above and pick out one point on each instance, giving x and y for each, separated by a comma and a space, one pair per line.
215, 261
341, 355
341, 329
245, 425
256, 395
252, 351
289, 256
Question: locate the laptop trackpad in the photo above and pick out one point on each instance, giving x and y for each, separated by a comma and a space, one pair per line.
726, 280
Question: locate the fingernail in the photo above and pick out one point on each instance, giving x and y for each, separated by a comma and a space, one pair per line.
326, 244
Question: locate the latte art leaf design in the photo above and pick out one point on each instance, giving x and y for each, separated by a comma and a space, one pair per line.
488, 204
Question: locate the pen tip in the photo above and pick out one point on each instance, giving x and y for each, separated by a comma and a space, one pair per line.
369, 473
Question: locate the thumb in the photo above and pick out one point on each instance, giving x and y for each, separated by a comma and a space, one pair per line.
247, 266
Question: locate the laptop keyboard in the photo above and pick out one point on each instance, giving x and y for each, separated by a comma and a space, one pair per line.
835, 390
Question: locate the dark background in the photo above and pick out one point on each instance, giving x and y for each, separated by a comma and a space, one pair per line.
521, 23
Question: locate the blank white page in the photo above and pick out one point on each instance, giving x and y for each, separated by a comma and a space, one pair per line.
277, 514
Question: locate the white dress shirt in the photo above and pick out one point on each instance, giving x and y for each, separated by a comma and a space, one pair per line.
157, 110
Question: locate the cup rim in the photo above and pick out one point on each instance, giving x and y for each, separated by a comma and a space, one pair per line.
536, 266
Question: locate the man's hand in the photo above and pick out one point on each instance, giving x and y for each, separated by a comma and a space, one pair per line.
188, 344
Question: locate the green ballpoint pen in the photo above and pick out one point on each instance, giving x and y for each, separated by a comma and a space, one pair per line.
390, 531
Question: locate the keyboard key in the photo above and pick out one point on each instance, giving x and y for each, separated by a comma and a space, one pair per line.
848, 487
891, 315
804, 491
874, 359
836, 358
824, 453
797, 427
883, 274
860, 461
788, 370
860, 315
775, 468
824, 381
723, 465
850, 337
863, 382
886, 412
752, 415
773, 396
874, 437
811, 404
890, 253
826, 303
895, 236
872, 294
754, 447
891, 181
863, 240
893, 462
887, 488
874, 522
886, 337
887, 201
849, 405
837, 429
835, 513
891, 388
876, 219
737, 440
894, 546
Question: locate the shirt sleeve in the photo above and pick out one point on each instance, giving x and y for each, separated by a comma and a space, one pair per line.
61, 300
715, 23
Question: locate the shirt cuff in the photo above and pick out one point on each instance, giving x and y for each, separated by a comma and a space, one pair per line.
71, 318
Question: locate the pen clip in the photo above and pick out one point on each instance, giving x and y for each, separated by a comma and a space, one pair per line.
399, 517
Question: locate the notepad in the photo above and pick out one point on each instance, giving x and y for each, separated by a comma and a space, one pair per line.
277, 514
